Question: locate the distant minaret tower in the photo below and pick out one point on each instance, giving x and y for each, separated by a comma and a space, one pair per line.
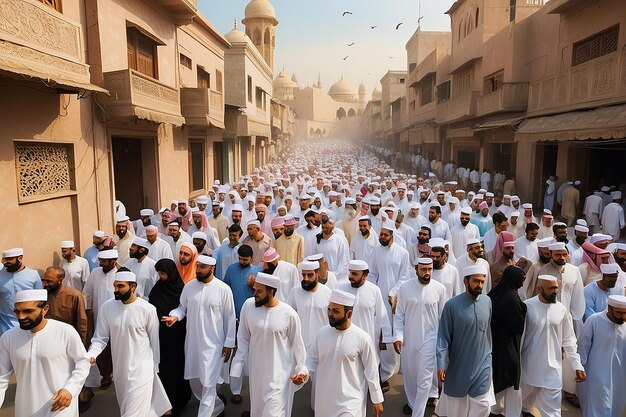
260, 21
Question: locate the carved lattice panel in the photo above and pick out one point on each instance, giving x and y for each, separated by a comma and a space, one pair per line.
599, 45
55, 4
43, 169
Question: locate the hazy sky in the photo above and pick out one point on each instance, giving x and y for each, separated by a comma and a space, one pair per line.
313, 36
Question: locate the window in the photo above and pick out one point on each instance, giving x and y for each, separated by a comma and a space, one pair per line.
477, 14
54, 4
512, 7
142, 53
494, 82
443, 92
427, 86
204, 79
402, 80
196, 164
249, 89
412, 66
596, 46
412, 105
218, 82
462, 80
44, 170
185, 61
260, 99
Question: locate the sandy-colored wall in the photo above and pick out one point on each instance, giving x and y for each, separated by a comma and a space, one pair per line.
203, 50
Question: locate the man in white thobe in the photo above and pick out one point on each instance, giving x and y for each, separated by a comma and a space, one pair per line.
76, 267
548, 332
142, 266
123, 238
132, 326
446, 274
47, 357
364, 241
463, 231
210, 310
287, 272
613, 216
438, 227
415, 325
344, 359
475, 255
602, 349
335, 249
270, 340
159, 248
309, 231
526, 246
592, 210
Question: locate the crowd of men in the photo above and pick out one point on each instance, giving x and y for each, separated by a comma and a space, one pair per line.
333, 269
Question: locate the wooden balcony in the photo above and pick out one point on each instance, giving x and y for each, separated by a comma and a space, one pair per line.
182, 11
511, 97
600, 81
457, 108
134, 95
202, 107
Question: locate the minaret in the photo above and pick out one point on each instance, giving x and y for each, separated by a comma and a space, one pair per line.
362, 92
260, 21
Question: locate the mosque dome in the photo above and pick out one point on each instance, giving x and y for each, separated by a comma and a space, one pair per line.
341, 90
237, 36
282, 81
260, 9
376, 94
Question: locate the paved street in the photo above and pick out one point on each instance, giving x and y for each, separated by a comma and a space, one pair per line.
105, 405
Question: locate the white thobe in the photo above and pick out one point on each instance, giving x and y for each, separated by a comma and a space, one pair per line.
415, 324
389, 267
527, 249
571, 291
362, 248
602, 349
160, 249
289, 278
490, 239
310, 239
336, 252
465, 261
518, 229
133, 331
146, 275
369, 312
43, 363
123, 247
175, 246
408, 234
460, 236
439, 229
346, 367
545, 232
451, 280
613, 220
76, 272
270, 340
312, 308
592, 210
331, 281
98, 289
211, 321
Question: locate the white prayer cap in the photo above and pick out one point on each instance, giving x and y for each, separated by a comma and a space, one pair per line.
560, 224
556, 246
489, 194
599, 237
546, 278
216, 182
453, 183
466, 210
437, 242
527, 206
545, 242
582, 229
12, 253
423, 261
31, 295
267, 279
514, 198
482, 191
479, 196
108, 254
618, 301
151, 229
374, 201
162, 210
309, 265
350, 200
434, 204
141, 242
410, 192
514, 214
123, 219
610, 268
203, 199
402, 186
616, 195
173, 224
315, 257
67, 244
577, 182
146, 212
581, 222
215, 203
98, 233
474, 270
200, 235
505, 196
206, 260
174, 202
304, 196
388, 225
472, 241
618, 246
195, 210
358, 265
605, 189
125, 276
254, 222
441, 193
342, 298
547, 212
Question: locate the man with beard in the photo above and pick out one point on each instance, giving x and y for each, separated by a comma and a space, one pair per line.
257, 240
264, 219
236, 215
270, 341
14, 277
546, 228
218, 221
310, 231
475, 255
508, 258
310, 300
142, 266
345, 360
526, 245
482, 220
559, 231
334, 247
529, 289
467, 380
226, 254
415, 324
507, 327
444, 273
285, 271
177, 236
349, 223
145, 220
123, 239
363, 243
210, 310
185, 214
421, 249
199, 240
159, 248
515, 226
47, 357
602, 348
76, 267
548, 333
201, 224
490, 239
91, 254
290, 245
597, 293
278, 228
375, 214
463, 232
414, 219
438, 227
581, 233
131, 325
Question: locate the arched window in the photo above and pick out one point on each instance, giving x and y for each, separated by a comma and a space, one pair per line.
267, 38
477, 14
256, 37
351, 113
341, 113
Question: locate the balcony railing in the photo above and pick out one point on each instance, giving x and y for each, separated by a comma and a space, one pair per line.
202, 107
133, 94
586, 85
511, 97
457, 108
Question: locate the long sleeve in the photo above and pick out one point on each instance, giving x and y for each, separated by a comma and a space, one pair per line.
398, 319
405, 273
88, 290
569, 343
297, 345
243, 344
6, 367
181, 311
313, 357
370, 365
577, 303
383, 319
152, 328
230, 321
76, 351
585, 341
81, 319
444, 338
101, 336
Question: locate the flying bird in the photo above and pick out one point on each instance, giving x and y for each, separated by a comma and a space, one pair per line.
345, 57
391, 57
345, 13
398, 25
351, 44
373, 27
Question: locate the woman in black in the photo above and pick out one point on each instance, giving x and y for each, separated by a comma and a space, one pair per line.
165, 296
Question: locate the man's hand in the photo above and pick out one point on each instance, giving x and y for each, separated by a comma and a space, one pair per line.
397, 346
92, 361
392, 302
581, 376
169, 320
299, 379
378, 409
61, 401
251, 280
441, 375
226, 352
382, 346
